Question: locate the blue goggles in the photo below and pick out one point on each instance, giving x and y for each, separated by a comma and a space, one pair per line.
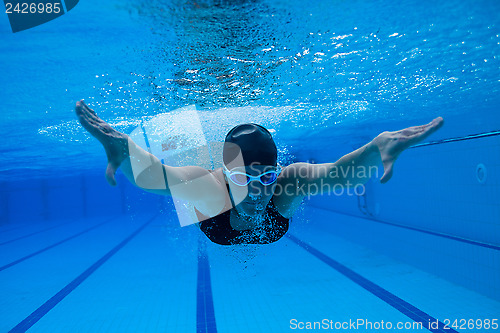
243, 179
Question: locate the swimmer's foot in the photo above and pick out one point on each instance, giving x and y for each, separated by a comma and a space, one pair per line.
391, 144
115, 143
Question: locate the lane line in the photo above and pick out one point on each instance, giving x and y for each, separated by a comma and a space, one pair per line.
36, 315
35, 233
462, 138
13, 227
399, 304
15, 262
205, 315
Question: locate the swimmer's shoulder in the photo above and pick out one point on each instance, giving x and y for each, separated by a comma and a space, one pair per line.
219, 200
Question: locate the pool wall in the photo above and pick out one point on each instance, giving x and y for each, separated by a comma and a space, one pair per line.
84, 196
438, 212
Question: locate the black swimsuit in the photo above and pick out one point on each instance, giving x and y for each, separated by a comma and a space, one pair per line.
218, 228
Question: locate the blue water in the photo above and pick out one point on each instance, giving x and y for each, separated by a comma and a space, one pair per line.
326, 77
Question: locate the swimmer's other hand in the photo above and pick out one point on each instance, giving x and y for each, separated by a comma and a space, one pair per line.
391, 144
115, 143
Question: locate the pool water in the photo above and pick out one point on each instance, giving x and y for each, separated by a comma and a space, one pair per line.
77, 255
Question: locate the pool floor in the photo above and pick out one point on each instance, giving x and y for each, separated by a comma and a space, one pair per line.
146, 274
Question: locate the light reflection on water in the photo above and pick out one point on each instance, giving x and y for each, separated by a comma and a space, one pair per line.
323, 69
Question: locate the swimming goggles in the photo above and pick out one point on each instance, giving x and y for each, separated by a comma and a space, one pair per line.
242, 179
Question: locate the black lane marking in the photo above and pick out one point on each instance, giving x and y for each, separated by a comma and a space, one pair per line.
13, 227
34, 233
205, 315
15, 262
36, 315
399, 304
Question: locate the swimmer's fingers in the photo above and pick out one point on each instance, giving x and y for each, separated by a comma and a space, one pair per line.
87, 122
91, 122
418, 133
86, 107
82, 110
407, 137
83, 114
392, 144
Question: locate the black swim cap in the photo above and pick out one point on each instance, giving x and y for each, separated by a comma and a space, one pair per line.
253, 142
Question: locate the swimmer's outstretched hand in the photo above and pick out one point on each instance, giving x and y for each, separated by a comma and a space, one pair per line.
391, 144
115, 143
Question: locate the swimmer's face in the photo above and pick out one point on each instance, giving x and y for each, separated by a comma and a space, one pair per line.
253, 198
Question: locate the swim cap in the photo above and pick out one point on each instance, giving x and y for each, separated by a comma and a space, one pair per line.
253, 142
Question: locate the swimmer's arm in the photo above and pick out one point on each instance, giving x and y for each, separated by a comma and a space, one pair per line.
350, 170
353, 169
357, 167
299, 180
144, 170
191, 183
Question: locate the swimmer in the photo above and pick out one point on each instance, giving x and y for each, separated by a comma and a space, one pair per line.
251, 199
